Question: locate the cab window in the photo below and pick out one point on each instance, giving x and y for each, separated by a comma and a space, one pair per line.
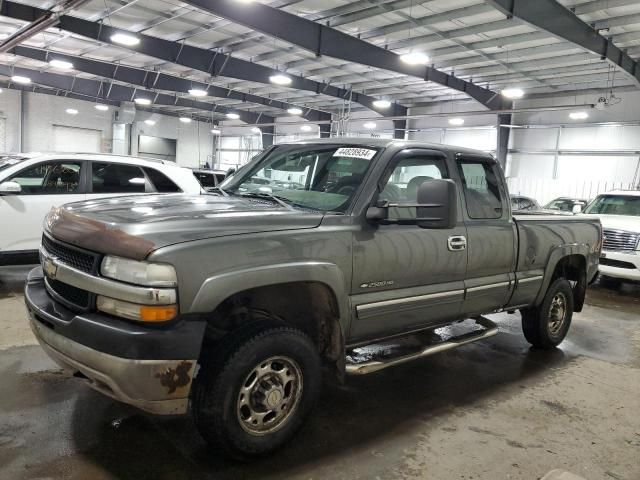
117, 178
481, 189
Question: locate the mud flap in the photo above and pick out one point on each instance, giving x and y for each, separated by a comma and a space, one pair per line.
579, 292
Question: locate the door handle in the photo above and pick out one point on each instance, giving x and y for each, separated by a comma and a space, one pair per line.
457, 243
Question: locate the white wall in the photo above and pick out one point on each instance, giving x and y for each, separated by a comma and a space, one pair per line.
10, 111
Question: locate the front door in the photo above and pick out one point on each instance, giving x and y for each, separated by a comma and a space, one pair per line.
405, 276
490, 235
45, 185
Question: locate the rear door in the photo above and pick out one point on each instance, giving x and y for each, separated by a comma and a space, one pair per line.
491, 235
44, 185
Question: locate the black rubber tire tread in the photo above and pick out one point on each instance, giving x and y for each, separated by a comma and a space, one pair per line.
216, 382
535, 321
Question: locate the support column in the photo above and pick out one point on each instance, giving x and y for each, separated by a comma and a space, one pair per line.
502, 149
325, 130
267, 136
399, 129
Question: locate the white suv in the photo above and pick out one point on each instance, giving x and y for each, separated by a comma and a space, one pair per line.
619, 212
30, 184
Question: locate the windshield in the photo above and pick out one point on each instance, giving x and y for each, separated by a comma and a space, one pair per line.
320, 177
7, 161
615, 205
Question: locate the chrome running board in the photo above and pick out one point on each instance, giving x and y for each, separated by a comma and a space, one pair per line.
355, 367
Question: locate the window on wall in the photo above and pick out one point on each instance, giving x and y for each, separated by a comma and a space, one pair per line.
117, 178
481, 189
49, 178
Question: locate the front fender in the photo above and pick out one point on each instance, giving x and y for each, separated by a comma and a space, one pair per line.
218, 288
558, 253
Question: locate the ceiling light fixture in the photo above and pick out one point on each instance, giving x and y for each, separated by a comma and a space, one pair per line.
578, 115
142, 101
197, 92
20, 79
215, 131
381, 103
415, 58
280, 79
256, 130
294, 111
185, 119
233, 116
71, 111
513, 93
370, 125
61, 64
305, 128
456, 121
148, 121
125, 39
101, 107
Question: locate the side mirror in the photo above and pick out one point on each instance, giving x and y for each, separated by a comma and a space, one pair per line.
10, 188
437, 204
577, 209
436, 207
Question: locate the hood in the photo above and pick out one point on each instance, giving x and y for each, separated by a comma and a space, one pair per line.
628, 223
134, 226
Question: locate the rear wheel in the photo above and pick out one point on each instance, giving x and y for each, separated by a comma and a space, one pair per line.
255, 398
546, 326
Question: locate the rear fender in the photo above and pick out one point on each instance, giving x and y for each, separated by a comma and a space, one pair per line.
557, 254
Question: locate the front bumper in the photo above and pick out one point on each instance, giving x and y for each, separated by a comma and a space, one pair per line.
149, 368
623, 265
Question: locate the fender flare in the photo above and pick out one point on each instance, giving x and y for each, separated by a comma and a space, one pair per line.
218, 288
556, 255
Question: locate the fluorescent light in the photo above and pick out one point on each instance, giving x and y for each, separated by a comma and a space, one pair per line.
197, 92
61, 64
215, 131
142, 101
456, 121
125, 39
280, 79
578, 115
256, 130
71, 111
185, 119
512, 93
370, 125
233, 116
415, 58
148, 121
381, 103
101, 107
305, 128
20, 79
295, 111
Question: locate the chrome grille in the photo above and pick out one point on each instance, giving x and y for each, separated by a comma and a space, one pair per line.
620, 240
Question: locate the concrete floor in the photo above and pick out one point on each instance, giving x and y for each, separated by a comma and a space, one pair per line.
490, 410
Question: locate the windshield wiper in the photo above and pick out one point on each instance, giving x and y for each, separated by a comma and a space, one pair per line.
214, 189
279, 200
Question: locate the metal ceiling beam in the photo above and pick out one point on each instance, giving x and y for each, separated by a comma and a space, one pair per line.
160, 81
551, 16
211, 62
328, 41
100, 90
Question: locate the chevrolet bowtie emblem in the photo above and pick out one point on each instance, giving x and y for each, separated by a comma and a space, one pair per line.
50, 268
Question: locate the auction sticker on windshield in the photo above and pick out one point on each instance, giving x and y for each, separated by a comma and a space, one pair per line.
364, 153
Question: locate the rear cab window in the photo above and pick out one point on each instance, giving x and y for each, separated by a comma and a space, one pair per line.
481, 185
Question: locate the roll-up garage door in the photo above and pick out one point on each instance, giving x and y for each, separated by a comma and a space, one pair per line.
72, 139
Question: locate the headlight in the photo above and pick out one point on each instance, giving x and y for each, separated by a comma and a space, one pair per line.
139, 273
134, 311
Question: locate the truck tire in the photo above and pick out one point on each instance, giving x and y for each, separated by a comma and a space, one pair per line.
546, 325
254, 398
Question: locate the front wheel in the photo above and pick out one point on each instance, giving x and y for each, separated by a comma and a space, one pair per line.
254, 399
546, 325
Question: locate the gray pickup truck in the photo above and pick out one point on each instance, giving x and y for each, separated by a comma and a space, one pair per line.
335, 256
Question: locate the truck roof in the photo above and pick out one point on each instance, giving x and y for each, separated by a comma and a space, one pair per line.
633, 193
386, 143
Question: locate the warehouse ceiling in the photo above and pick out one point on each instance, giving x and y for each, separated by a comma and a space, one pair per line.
472, 42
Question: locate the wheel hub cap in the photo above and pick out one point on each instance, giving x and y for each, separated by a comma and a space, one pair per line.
557, 313
269, 395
